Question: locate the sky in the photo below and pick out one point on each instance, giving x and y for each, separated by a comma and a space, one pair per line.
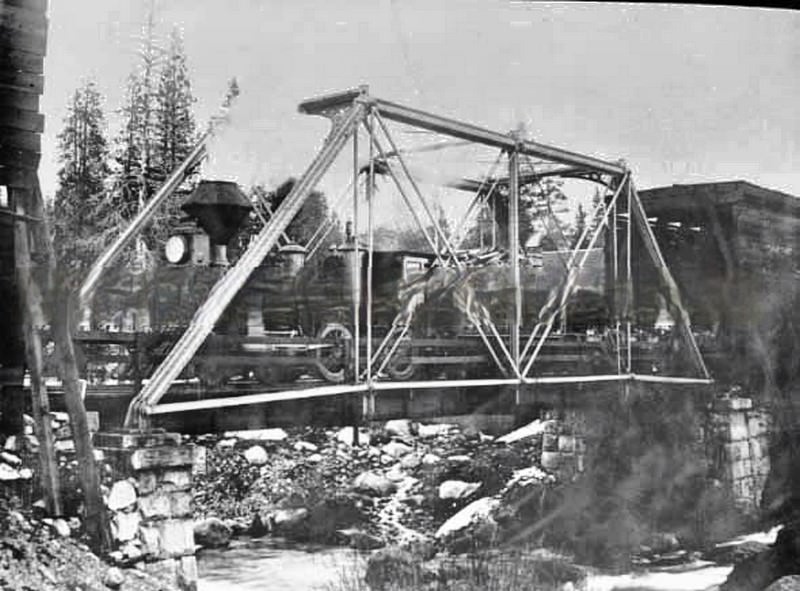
682, 93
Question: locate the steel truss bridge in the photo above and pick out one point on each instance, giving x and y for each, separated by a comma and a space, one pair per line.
356, 113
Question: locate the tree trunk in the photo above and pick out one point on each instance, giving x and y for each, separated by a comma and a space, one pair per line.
96, 522
33, 321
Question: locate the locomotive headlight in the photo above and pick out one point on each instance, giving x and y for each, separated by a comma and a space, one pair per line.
177, 249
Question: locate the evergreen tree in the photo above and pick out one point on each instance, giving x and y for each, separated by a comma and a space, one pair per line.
175, 129
579, 227
85, 220
137, 142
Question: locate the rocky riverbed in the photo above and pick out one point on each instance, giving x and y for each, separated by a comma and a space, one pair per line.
431, 506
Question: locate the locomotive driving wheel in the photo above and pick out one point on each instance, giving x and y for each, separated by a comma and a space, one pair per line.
401, 366
332, 358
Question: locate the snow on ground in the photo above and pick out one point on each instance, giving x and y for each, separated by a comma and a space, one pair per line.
695, 576
691, 577
537, 427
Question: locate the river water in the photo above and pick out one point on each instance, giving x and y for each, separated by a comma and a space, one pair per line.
268, 563
256, 565
259, 564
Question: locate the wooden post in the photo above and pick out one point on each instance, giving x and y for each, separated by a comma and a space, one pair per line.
33, 321
60, 316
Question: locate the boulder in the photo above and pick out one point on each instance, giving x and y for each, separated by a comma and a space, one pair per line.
399, 428
430, 431
396, 474
289, 522
788, 583
8, 473
256, 455
430, 459
457, 489
314, 458
113, 578
396, 449
259, 434
212, 532
10, 458
332, 514
360, 540
459, 458
411, 461
122, 495
61, 528
479, 511
305, 446
374, 484
12, 443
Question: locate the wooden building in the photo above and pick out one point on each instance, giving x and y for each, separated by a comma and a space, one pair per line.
23, 39
734, 249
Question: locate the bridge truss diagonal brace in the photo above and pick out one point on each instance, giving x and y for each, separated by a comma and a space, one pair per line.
396, 153
231, 283
573, 270
673, 294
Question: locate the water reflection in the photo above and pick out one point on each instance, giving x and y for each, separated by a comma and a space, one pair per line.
258, 564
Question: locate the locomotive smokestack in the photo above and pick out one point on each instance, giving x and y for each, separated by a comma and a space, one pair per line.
219, 207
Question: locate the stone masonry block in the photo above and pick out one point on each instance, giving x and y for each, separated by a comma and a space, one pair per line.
551, 460
733, 404
162, 457
168, 539
737, 451
744, 489
146, 481
187, 573
567, 443
741, 469
131, 439
162, 504
175, 479
549, 442
199, 465
758, 423
733, 427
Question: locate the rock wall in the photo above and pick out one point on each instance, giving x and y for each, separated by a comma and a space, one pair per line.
563, 443
737, 440
150, 502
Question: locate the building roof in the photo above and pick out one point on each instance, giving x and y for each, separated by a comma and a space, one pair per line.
724, 192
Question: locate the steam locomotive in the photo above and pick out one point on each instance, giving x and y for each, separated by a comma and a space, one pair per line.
295, 320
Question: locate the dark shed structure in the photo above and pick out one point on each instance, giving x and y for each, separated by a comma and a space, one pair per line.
734, 248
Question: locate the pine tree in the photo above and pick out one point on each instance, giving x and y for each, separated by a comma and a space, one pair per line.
136, 144
85, 220
175, 129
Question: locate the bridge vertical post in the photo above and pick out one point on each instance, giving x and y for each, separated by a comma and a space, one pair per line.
356, 291
370, 193
513, 250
